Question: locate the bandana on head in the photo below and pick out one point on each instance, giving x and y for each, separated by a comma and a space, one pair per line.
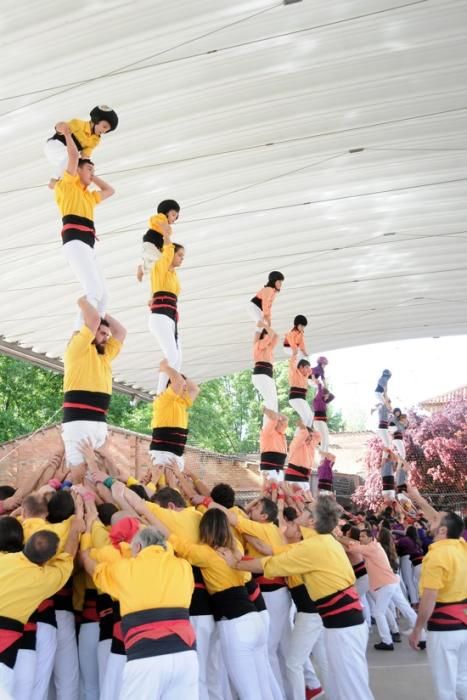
123, 531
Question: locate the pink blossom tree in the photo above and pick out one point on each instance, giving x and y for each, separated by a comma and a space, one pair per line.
436, 448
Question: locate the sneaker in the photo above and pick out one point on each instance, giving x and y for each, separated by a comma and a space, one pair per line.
396, 637
382, 646
311, 693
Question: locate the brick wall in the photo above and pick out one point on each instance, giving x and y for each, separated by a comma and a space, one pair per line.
131, 451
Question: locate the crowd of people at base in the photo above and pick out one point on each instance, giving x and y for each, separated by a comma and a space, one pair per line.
163, 588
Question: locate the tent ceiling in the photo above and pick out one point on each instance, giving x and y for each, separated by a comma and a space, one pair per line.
245, 112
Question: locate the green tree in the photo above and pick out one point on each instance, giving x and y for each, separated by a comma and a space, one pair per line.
225, 418
29, 397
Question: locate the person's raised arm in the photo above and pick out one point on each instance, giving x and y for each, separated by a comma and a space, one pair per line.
200, 486
91, 315
77, 527
416, 497
118, 331
105, 189
72, 150
192, 389
177, 382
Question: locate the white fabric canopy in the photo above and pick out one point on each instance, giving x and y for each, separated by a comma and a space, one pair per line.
245, 112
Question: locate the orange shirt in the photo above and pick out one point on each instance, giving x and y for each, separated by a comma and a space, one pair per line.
376, 562
296, 378
267, 296
302, 453
263, 349
296, 339
271, 439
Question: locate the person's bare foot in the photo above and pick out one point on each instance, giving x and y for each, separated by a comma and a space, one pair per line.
51, 184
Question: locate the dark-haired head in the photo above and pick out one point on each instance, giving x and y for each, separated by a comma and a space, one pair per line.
451, 525
60, 507
223, 494
290, 514
168, 497
214, 529
6, 491
41, 546
140, 490
302, 363
11, 534
105, 512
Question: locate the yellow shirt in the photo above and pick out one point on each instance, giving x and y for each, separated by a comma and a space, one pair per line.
155, 578
85, 369
163, 279
24, 585
183, 523
62, 530
217, 574
320, 560
72, 197
171, 410
444, 568
267, 532
82, 131
155, 223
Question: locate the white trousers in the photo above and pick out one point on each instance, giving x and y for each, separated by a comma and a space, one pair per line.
383, 434
278, 604
383, 597
304, 411
379, 398
113, 677
66, 665
363, 586
103, 653
399, 447
25, 672
447, 659
266, 386
75, 431
88, 639
300, 355
163, 329
217, 682
149, 254
166, 677
7, 679
85, 265
273, 474
408, 578
46, 646
254, 312
244, 650
307, 636
164, 457
321, 427
57, 155
348, 671
204, 627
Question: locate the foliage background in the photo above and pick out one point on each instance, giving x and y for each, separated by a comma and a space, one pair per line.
226, 417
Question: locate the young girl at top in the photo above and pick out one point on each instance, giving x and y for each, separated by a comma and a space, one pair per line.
85, 134
160, 226
163, 321
262, 378
259, 308
295, 338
